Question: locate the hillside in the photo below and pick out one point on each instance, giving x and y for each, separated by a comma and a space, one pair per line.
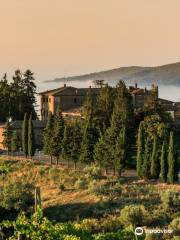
162, 75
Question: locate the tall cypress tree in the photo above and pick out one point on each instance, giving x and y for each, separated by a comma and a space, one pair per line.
31, 138
140, 150
163, 165
88, 142
146, 159
25, 135
7, 135
172, 160
58, 134
76, 143
15, 142
120, 153
155, 160
48, 135
67, 143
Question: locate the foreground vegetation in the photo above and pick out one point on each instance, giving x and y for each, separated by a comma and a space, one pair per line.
82, 205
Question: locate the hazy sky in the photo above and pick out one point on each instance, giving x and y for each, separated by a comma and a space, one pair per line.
66, 37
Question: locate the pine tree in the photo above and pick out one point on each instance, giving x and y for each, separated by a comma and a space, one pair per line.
146, 159
67, 143
120, 153
163, 166
7, 134
48, 135
31, 138
15, 142
58, 133
172, 160
140, 150
76, 143
25, 135
88, 142
155, 160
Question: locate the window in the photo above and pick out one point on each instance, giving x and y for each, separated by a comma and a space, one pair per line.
75, 100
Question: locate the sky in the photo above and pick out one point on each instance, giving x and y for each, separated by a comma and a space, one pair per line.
56, 38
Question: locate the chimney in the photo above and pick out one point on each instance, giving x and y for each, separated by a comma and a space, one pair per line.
136, 85
64, 85
89, 86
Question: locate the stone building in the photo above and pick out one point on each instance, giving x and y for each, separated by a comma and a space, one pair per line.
70, 99
17, 126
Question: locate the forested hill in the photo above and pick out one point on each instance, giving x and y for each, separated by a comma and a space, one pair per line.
164, 75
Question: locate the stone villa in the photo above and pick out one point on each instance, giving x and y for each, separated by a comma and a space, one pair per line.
70, 99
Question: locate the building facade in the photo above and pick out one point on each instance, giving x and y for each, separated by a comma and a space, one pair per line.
17, 126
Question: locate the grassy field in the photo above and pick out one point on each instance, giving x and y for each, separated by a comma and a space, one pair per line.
69, 195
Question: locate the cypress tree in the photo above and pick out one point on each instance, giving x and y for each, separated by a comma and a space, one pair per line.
15, 142
25, 135
7, 134
172, 160
120, 152
31, 138
67, 143
146, 159
58, 134
140, 150
48, 135
88, 143
163, 166
76, 143
155, 160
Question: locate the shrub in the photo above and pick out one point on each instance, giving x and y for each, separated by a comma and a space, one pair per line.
4, 170
80, 184
175, 226
93, 172
153, 236
54, 174
96, 187
133, 215
170, 199
61, 187
17, 196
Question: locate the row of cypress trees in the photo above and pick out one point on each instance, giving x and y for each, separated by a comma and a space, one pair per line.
157, 159
28, 139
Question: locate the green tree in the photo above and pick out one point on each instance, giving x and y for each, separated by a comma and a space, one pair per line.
163, 163
25, 135
140, 150
104, 108
76, 143
172, 160
31, 138
15, 142
29, 91
120, 153
48, 135
87, 109
154, 159
146, 159
7, 134
58, 134
88, 142
67, 143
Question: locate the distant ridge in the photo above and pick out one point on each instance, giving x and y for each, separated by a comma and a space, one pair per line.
163, 75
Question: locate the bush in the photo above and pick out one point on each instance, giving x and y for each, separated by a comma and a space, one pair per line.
133, 215
96, 187
80, 184
61, 187
153, 236
4, 170
93, 172
175, 226
170, 199
17, 196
